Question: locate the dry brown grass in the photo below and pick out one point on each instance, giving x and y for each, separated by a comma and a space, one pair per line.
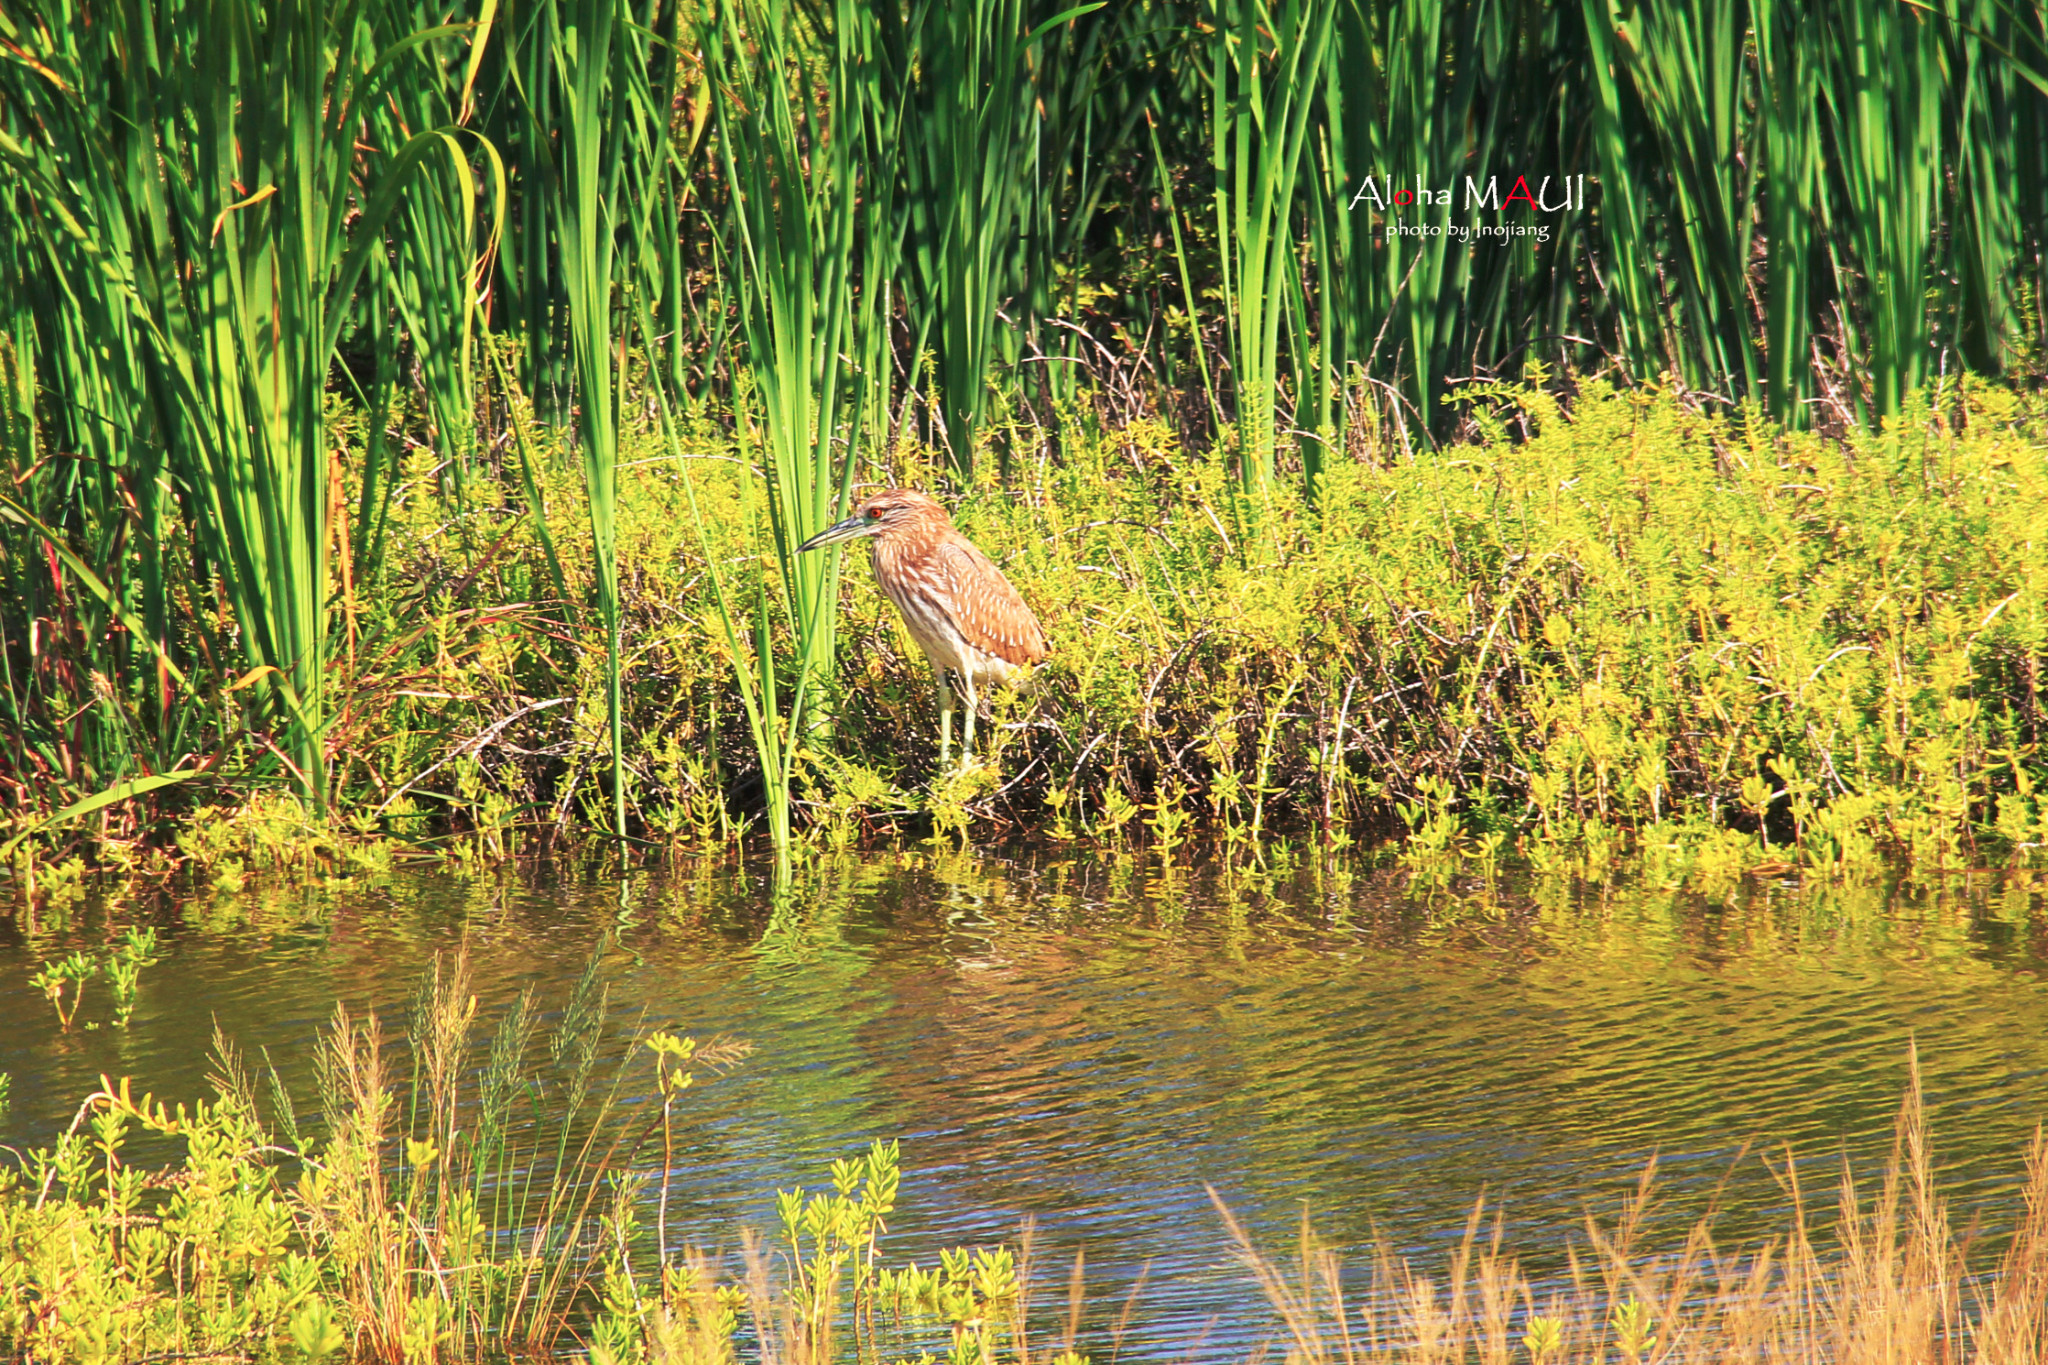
1891, 1283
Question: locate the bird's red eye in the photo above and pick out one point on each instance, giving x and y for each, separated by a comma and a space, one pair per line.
874, 515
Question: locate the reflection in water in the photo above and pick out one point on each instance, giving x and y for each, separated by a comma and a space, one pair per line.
1089, 1041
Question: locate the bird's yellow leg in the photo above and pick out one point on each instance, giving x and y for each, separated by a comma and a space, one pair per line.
973, 705
945, 718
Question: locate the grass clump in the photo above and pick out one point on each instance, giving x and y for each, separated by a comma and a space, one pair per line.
460, 1199
1888, 1278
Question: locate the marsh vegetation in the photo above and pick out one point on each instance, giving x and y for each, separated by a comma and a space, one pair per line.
416, 411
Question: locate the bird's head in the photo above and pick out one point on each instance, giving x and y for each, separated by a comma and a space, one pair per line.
893, 509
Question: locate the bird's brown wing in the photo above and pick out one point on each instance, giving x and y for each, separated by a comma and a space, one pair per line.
989, 613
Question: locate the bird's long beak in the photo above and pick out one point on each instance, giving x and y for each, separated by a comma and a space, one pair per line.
849, 529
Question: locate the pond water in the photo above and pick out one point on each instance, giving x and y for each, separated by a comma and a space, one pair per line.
1089, 1041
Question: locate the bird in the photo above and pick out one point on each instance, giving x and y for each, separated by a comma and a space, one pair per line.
963, 613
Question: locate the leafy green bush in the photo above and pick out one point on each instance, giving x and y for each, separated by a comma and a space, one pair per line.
102, 1260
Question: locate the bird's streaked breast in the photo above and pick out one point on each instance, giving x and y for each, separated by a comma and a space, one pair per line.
954, 601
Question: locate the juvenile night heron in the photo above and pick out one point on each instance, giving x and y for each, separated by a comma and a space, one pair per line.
960, 609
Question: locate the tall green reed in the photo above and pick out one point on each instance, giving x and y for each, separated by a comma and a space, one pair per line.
1993, 116
204, 171
792, 160
1694, 92
1883, 94
967, 165
587, 216
613, 152
85, 472
1095, 78
1263, 62
1398, 114
1788, 93
438, 222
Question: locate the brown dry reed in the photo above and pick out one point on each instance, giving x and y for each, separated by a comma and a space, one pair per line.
1889, 1281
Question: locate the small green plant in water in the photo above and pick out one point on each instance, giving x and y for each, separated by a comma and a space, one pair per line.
64, 979
827, 1233
1544, 1339
131, 1270
952, 798
66, 976
672, 1073
314, 1331
1169, 818
124, 965
1630, 1323
63, 883
970, 1291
